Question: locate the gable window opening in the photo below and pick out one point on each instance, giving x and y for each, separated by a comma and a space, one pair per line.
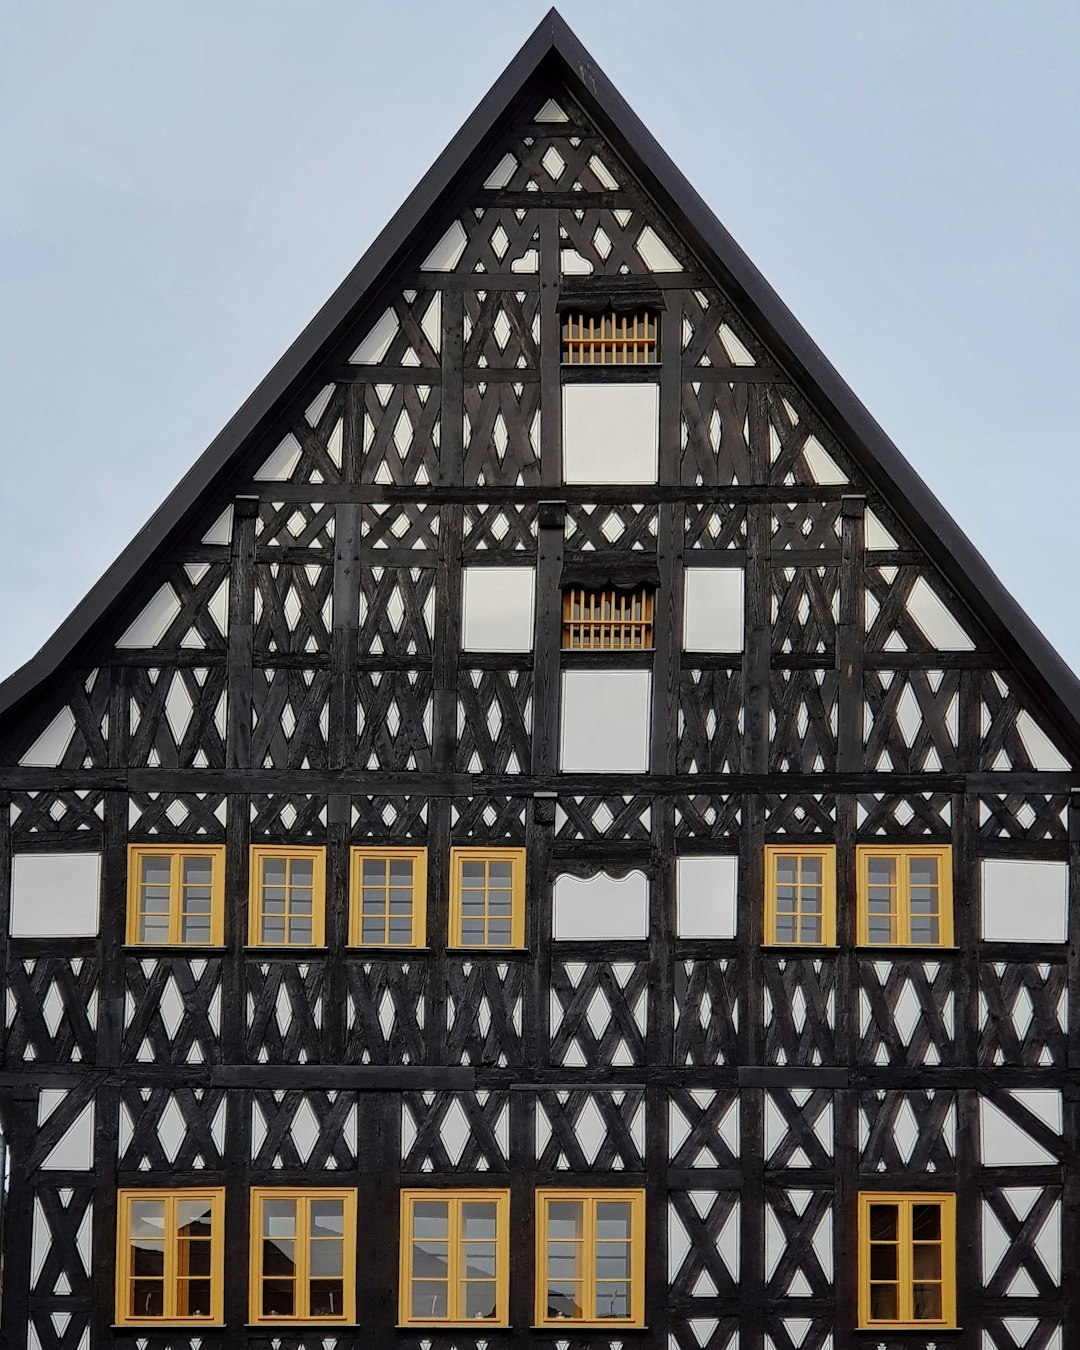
610, 339
607, 619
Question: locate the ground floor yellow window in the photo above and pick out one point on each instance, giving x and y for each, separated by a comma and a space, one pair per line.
288, 897
907, 1259
176, 894
303, 1261
487, 897
590, 1260
905, 895
388, 897
169, 1268
454, 1257
800, 895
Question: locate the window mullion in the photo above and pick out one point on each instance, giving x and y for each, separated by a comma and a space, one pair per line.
903, 897
455, 1221
588, 1256
303, 1256
176, 870
907, 1291
170, 1261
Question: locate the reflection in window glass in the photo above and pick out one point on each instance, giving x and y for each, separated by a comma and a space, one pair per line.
303, 1245
454, 1256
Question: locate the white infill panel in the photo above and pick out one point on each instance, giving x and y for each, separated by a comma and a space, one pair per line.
705, 891
1024, 900
604, 726
610, 433
497, 609
55, 894
713, 609
601, 907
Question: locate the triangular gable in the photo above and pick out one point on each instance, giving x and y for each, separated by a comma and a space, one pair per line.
821, 434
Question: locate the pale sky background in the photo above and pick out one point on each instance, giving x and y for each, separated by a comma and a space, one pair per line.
182, 185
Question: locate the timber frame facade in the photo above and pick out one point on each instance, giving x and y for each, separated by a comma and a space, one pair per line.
339, 649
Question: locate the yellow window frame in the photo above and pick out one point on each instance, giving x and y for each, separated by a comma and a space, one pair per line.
905, 1201
589, 1200
357, 858
455, 1292
316, 855
302, 1197
177, 853
904, 854
125, 1275
826, 853
516, 858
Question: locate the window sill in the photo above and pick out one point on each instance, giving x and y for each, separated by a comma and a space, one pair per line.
474, 1323
907, 947
383, 948
166, 1324
281, 948
285, 1323
500, 952
800, 946
562, 1322
171, 948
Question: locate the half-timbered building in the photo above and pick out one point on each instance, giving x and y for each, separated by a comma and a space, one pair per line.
551, 836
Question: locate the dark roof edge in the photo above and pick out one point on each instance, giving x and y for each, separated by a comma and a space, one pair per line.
943, 539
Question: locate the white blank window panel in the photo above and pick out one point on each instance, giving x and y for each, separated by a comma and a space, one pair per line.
1024, 900
705, 891
498, 609
55, 894
610, 433
605, 721
713, 609
601, 907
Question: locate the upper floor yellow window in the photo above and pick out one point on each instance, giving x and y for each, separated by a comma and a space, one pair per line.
610, 339
800, 894
288, 896
388, 897
303, 1255
454, 1257
907, 1260
169, 1256
487, 897
176, 894
590, 1257
905, 895
607, 620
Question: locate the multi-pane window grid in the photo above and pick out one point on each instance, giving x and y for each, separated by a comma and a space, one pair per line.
610, 339
168, 1267
607, 620
454, 1257
287, 896
301, 1256
906, 1264
389, 889
175, 895
905, 896
486, 897
589, 1258
800, 895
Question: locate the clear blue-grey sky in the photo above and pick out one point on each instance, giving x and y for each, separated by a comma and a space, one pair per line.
184, 184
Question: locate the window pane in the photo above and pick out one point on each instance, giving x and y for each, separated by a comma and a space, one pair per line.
787, 871
613, 1219
811, 871
884, 1304
564, 1219
926, 1303
431, 1219
193, 1217
924, 931
327, 1298
197, 871
923, 871
473, 872
881, 871
154, 929
883, 1261
303, 872
279, 1218
785, 929
500, 874
327, 1258
147, 1218
278, 1298
428, 1299
480, 1299
273, 930
273, 871
401, 872
374, 872
926, 1221
883, 1225
478, 1219
327, 1218
193, 1298
147, 1299
927, 1261
301, 932
810, 930
155, 900
195, 929
155, 871
564, 1298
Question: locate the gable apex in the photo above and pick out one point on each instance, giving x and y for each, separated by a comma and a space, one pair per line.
554, 52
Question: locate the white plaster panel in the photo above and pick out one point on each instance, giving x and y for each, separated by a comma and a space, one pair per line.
497, 609
705, 890
55, 894
602, 906
713, 609
1024, 900
610, 432
604, 726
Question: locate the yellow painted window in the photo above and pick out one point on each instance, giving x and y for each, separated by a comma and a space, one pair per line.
287, 904
169, 1256
388, 897
800, 895
303, 1255
176, 894
454, 1257
609, 339
905, 895
907, 1260
487, 897
607, 620
590, 1257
